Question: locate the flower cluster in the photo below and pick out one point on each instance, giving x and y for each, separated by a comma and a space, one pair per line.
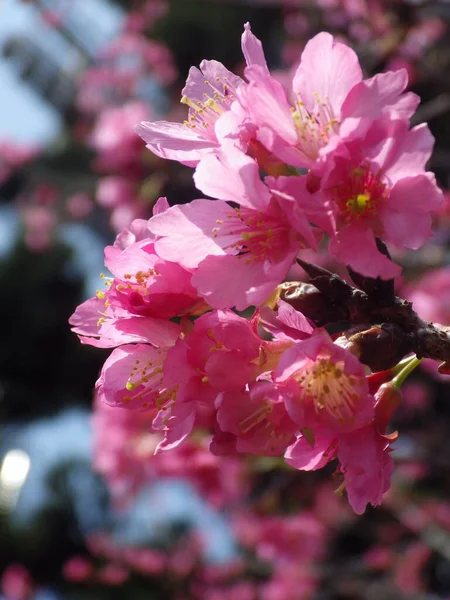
338, 159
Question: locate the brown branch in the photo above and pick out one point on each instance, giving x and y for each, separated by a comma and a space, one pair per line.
381, 327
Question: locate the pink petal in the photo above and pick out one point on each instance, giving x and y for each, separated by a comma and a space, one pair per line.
299, 354
293, 318
188, 231
161, 205
355, 246
212, 71
268, 104
286, 323
419, 193
177, 427
315, 206
252, 49
227, 281
406, 219
328, 70
234, 176
410, 230
404, 153
306, 457
128, 261
175, 141
120, 367
366, 465
382, 93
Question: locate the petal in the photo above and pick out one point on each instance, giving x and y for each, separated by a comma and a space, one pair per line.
328, 70
306, 457
315, 206
366, 465
128, 363
410, 230
188, 231
355, 246
213, 72
404, 153
175, 141
380, 94
161, 205
234, 176
227, 281
406, 219
268, 105
419, 193
130, 261
252, 49
177, 426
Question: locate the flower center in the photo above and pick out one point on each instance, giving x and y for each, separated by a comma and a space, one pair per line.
313, 127
360, 195
204, 113
256, 417
253, 235
330, 388
145, 385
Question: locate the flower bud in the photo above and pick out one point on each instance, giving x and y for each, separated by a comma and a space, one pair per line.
387, 399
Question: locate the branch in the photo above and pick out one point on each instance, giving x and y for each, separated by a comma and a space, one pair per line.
381, 327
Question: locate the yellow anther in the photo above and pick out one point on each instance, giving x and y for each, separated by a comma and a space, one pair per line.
185, 100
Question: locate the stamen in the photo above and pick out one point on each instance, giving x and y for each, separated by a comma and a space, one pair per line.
258, 416
331, 389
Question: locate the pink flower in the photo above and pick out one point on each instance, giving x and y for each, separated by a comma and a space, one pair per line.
210, 94
380, 188
145, 293
148, 285
240, 254
180, 383
286, 323
363, 454
409, 574
222, 352
366, 465
16, 583
112, 191
430, 295
77, 568
364, 460
79, 206
114, 139
123, 447
124, 214
132, 378
256, 418
329, 94
40, 224
102, 322
137, 308
326, 74
324, 385
113, 574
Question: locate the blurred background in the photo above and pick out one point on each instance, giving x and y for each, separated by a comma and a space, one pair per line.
85, 512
